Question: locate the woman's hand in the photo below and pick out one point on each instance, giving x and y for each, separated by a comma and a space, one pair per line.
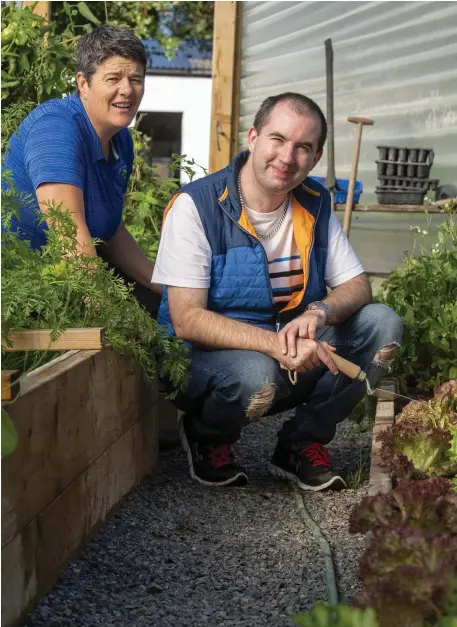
124, 252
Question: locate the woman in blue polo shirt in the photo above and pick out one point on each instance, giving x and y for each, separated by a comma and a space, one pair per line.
78, 151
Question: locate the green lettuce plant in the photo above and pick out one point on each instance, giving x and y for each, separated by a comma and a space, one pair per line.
429, 504
414, 450
409, 576
422, 441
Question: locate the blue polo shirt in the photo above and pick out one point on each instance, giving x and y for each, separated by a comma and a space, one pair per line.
56, 143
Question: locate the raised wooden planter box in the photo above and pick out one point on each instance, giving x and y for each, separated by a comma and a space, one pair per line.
87, 435
380, 481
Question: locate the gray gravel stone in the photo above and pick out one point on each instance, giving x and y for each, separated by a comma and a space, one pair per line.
178, 554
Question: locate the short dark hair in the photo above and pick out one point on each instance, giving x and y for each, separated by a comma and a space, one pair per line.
301, 104
104, 42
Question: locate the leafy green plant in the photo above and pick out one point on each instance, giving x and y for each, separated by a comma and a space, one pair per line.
409, 576
37, 63
167, 22
339, 615
422, 440
9, 434
409, 570
364, 411
148, 195
439, 412
60, 288
415, 450
423, 292
361, 473
430, 505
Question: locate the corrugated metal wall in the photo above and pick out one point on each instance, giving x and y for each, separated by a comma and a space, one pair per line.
395, 62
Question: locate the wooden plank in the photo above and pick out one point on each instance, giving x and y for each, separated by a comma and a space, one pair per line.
235, 130
34, 559
40, 340
10, 384
392, 208
223, 75
66, 416
380, 481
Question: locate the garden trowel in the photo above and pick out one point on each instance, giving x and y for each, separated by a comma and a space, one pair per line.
355, 372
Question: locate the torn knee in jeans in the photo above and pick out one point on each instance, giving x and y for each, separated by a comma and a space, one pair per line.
386, 355
261, 401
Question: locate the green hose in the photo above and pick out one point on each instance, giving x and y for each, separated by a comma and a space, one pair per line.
332, 592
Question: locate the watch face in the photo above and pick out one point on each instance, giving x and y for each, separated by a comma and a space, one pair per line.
318, 305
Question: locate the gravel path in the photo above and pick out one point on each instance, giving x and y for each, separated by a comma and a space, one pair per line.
178, 554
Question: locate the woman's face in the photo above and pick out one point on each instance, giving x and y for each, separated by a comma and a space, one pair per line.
114, 94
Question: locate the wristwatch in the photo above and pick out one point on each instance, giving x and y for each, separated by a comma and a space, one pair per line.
318, 304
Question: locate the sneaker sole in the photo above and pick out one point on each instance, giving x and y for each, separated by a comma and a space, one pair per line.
335, 483
239, 479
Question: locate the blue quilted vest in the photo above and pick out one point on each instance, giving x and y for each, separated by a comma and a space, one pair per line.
240, 284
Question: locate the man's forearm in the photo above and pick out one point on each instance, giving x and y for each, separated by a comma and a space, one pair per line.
346, 299
213, 331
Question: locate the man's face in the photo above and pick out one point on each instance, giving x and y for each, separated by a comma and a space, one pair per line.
114, 93
286, 149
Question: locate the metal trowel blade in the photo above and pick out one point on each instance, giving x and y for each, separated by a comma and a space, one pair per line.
385, 395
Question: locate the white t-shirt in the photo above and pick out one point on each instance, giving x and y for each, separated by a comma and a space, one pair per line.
184, 255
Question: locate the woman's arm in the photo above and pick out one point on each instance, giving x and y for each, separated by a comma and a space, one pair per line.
124, 252
72, 199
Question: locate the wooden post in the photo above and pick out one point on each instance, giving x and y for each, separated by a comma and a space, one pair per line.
226, 83
10, 385
42, 8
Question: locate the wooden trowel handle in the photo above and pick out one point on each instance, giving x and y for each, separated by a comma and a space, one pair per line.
346, 367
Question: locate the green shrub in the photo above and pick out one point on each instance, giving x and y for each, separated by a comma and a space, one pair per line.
148, 194
423, 291
37, 63
59, 288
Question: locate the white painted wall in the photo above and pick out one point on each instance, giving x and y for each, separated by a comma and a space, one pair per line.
191, 96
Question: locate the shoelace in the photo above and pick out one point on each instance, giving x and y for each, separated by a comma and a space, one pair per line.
317, 455
221, 455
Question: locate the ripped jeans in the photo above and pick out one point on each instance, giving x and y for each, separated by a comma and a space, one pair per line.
230, 388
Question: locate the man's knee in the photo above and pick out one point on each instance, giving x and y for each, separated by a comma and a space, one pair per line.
385, 329
254, 384
384, 321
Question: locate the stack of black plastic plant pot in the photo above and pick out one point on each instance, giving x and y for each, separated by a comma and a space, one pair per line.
403, 175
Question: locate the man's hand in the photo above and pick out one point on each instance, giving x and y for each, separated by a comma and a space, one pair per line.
309, 354
304, 327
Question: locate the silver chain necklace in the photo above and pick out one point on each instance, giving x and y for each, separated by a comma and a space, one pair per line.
281, 219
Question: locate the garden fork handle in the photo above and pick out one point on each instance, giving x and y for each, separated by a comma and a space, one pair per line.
353, 371
346, 367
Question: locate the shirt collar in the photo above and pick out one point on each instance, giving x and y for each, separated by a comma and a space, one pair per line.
95, 146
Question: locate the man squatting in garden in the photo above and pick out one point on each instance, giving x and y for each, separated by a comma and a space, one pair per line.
245, 259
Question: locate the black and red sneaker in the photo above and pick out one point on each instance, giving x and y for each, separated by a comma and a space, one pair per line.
311, 468
211, 464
